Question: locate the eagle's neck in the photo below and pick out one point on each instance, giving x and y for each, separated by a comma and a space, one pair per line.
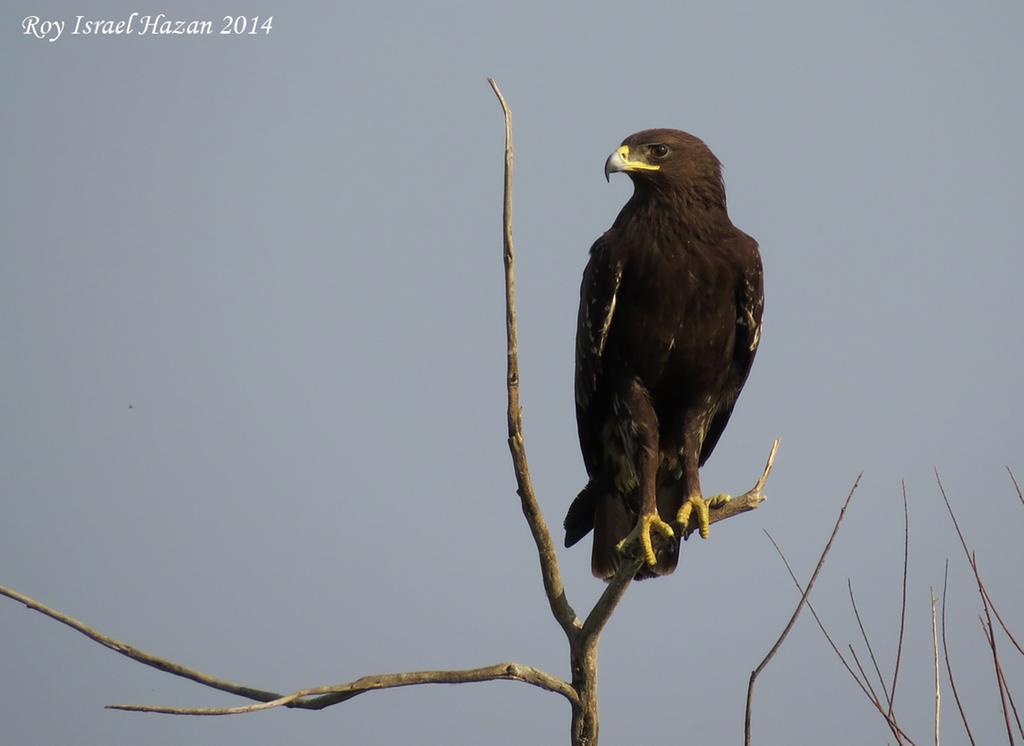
697, 212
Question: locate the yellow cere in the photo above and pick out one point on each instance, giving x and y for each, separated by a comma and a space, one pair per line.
623, 152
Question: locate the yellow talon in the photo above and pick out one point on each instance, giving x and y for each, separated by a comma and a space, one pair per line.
642, 531
703, 516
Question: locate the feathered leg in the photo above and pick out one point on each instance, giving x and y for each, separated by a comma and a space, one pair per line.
694, 514
638, 428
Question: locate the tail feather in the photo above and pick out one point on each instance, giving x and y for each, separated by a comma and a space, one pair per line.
612, 523
580, 518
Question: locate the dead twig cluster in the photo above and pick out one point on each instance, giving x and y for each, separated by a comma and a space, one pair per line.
988, 630
882, 705
796, 612
883, 698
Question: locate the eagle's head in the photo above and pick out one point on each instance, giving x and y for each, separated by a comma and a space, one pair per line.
669, 160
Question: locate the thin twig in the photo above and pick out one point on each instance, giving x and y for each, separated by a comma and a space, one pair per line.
752, 497
1016, 485
890, 721
949, 666
991, 637
999, 618
987, 631
1013, 705
550, 573
938, 684
967, 552
903, 603
1002, 679
863, 674
867, 642
796, 612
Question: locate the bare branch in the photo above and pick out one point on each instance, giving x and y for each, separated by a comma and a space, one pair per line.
890, 720
1013, 705
139, 655
866, 679
324, 696
796, 612
1004, 687
903, 603
1002, 678
303, 699
750, 499
986, 627
609, 599
949, 666
938, 681
990, 638
999, 618
550, 573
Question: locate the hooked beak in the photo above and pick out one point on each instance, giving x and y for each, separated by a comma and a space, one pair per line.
620, 161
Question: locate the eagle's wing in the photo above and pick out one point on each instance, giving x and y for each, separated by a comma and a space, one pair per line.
598, 296
749, 306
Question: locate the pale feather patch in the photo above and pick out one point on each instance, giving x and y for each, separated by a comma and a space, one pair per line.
608, 313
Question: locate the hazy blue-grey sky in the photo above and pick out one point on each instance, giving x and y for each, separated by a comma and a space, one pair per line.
252, 402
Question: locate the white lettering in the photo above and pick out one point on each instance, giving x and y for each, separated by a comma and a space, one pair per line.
49, 30
141, 25
102, 26
150, 24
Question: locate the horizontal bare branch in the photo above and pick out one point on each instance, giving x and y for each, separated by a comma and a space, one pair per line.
317, 698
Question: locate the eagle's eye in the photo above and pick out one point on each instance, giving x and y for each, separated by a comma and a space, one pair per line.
659, 150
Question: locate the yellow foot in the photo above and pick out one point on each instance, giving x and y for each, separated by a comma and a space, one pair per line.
694, 514
642, 532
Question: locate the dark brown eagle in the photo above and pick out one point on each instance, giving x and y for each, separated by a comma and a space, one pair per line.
669, 322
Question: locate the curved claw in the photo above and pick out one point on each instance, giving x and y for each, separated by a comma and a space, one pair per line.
642, 532
685, 517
